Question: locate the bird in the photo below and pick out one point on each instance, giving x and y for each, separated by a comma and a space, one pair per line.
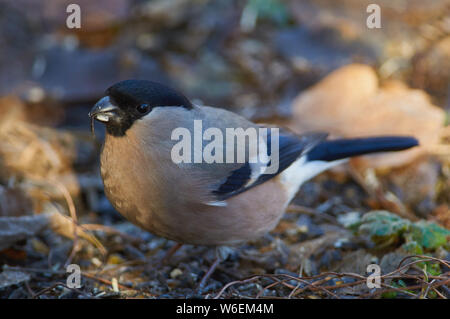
216, 203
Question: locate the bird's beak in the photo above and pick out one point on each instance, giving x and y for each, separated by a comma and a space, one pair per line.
103, 110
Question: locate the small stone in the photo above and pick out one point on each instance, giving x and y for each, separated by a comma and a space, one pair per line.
115, 259
115, 285
11, 278
349, 218
96, 261
176, 273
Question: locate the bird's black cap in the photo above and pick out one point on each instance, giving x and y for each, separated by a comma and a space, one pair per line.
130, 100
134, 92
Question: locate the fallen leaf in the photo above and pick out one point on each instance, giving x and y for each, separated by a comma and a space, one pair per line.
11, 277
442, 213
350, 103
14, 229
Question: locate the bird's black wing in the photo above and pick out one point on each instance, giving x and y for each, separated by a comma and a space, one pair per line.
290, 146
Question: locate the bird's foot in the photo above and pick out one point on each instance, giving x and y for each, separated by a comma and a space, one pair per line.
222, 253
170, 253
157, 263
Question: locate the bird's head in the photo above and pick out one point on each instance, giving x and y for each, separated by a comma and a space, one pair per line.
128, 101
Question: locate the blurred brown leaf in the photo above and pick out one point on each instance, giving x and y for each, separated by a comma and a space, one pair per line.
41, 152
442, 214
349, 103
431, 69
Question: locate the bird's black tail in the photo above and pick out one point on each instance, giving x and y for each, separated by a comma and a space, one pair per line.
333, 150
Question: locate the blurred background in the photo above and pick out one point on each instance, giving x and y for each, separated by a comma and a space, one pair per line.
307, 65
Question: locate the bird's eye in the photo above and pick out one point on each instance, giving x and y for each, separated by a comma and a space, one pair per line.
143, 108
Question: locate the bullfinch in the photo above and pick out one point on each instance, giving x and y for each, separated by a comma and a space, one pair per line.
182, 171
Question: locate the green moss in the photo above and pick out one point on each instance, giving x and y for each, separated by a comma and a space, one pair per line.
272, 10
413, 248
429, 235
385, 229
